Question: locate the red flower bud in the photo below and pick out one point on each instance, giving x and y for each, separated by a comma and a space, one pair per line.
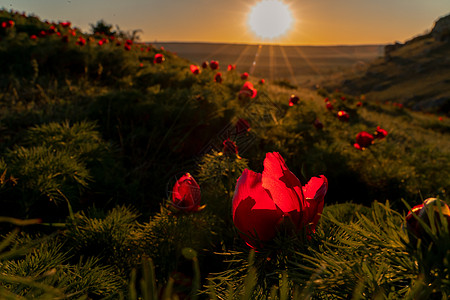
380, 133
218, 77
214, 65
261, 202
159, 58
262, 81
318, 124
186, 194
343, 116
421, 211
242, 126
293, 100
230, 147
231, 67
195, 69
363, 140
244, 76
247, 91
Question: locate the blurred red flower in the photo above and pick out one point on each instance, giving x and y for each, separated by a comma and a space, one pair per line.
263, 202
231, 67
343, 116
363, 140
326, 99
205, 65
242, 126
127, 47
186, 194
65, 24
293, 100
81, 41
218, 77
329, 106
380, 133
244, 76
247, 91
262, 81
159, 58
33, 37
414, 226
318, 124
195, 69
214, 65
229, 147
359, 104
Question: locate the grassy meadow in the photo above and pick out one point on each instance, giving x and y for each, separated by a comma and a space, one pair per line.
96, 129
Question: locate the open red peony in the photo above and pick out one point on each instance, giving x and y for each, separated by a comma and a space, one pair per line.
262, 202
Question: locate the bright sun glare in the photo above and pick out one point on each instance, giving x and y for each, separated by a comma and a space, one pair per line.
270, 19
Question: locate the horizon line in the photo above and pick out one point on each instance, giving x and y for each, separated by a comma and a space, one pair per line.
266, 44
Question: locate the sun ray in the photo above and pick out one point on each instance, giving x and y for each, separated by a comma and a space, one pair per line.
288, 64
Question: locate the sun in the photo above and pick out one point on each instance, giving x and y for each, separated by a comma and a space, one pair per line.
270, 19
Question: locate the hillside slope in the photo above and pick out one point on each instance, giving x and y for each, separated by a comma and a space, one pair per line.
415, 73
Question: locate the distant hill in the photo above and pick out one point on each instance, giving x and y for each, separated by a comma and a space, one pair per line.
298, 64
415, 73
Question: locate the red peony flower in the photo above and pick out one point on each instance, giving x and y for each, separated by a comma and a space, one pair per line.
186, 194
293, 100
33, 37
127, 47
329, 106
414, 226
205, 65
42, 33
159, 58
363, 140
262, 202
195, 69
81, 41
231, 67
214, 65
244, 76
380, 133
129, 42
242, 126
343, 116
247, 91
318, 124
66, 24
229, 147
218, 77
4, 24
262, 81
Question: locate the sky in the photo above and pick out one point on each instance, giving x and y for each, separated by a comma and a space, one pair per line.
316, 22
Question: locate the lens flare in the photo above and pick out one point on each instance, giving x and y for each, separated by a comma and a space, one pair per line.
270, 19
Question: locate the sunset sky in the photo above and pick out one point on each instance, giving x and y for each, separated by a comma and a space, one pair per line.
316, 22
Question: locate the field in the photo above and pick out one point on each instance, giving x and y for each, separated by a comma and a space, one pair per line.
298, 64
128, 171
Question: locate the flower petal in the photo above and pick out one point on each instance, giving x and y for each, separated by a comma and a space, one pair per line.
282, 185
314, 192
254, 213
